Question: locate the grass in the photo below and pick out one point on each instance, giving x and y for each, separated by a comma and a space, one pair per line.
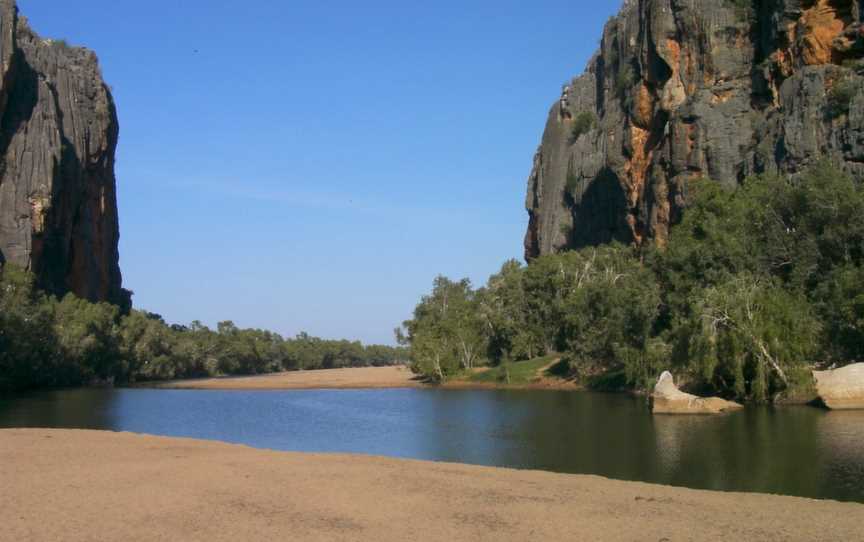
521, 372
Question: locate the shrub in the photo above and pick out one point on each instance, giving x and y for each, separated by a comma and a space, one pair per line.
840, 97
582, 124
626, 79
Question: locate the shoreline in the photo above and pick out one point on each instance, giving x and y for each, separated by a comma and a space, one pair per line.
390, 377
95, 485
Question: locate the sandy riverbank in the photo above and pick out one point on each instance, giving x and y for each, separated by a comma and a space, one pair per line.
90, 485
353, 378
357, 378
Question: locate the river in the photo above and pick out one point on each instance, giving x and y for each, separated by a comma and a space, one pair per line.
800, 451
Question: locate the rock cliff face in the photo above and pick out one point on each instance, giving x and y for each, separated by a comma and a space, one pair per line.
687, 89
58, 210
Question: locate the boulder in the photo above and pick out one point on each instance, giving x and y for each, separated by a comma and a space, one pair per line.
843, 388
668, 399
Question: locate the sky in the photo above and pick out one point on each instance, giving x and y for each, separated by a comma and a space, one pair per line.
312, 166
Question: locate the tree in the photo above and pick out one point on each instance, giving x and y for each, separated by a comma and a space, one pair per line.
753, 332
502, 306
446, 333
611, 307
29, 354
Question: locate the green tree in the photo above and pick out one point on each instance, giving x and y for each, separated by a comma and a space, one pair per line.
503, 308
752, 336
446, 333
29, 354
88, 337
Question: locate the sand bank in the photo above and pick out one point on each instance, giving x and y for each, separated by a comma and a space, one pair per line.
364, 377
89, 485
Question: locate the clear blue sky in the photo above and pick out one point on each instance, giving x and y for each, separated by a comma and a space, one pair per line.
307, 165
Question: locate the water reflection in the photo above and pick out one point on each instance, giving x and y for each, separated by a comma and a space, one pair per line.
78, 409
792, 450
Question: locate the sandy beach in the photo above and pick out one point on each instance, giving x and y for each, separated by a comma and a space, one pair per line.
354, 378
351, 378
95, 486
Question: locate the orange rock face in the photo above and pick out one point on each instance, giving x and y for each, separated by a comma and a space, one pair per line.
818, 27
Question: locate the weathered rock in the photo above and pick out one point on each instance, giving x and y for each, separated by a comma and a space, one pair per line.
841, 389
668, 399
689, 89
58, 210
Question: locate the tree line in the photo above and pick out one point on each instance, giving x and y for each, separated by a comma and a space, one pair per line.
49, 342
756, 286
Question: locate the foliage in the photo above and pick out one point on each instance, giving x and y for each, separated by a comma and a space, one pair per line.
87, 334
840, 96
47, 343
520, 372
757, 285
613, 304
625, 79
446, 334
583, 123
581, 303
839, 299
28, 349
748, 334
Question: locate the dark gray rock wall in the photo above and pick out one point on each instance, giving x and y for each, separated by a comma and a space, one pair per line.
58, 134
689, 89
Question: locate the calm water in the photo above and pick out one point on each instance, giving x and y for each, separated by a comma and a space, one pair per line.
794, 450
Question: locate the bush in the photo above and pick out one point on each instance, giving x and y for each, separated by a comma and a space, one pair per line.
840, 97
582, 124
625, 79
748, 336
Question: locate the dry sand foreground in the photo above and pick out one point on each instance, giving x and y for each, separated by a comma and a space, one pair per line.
364, 377
90, 485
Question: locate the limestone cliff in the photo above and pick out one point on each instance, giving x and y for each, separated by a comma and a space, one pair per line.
686, 89
58, 210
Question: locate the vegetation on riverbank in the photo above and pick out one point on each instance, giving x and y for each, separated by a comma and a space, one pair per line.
519, 373
46, 342
756, 285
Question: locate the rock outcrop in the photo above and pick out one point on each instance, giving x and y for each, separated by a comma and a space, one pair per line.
688, 89
58, 210
841, 389
668, 399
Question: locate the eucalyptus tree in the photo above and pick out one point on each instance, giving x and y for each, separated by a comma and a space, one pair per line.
446, 333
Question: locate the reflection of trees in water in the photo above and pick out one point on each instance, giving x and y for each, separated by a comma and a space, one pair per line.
784, 450
841, 438
670, 432
78, 409
588, 433
760, 449
842, 434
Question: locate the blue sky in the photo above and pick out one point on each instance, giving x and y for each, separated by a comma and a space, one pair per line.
311, 166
